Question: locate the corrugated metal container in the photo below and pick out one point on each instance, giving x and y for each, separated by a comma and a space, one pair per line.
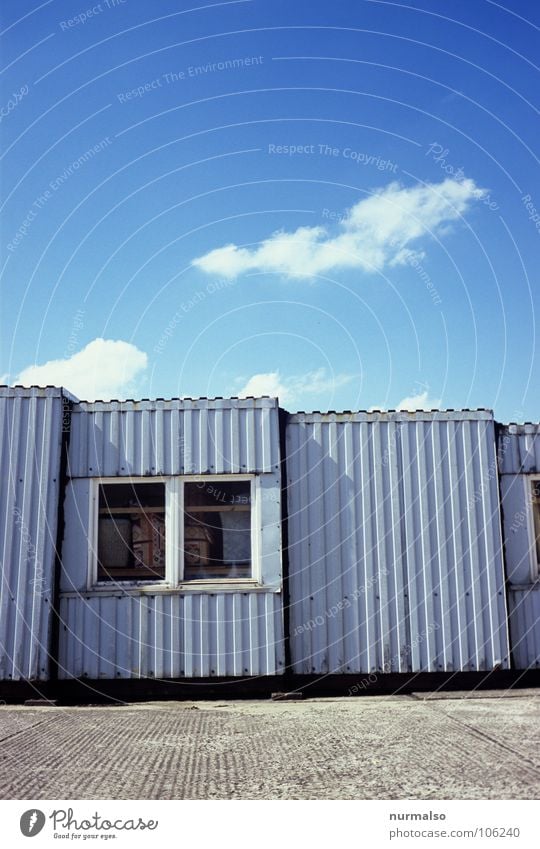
30, 448
178, 630
524, 606
189, 436
395, 543
190, 635
519, 463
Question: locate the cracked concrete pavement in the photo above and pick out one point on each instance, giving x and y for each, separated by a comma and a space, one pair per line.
482, 745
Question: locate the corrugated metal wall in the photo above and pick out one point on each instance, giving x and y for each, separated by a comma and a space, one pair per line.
395, 543
519, 460
191, 635
178, 631
30, 446
174, 437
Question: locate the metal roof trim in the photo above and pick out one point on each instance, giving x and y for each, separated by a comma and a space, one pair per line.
395, 415
131, 405
33, 391
523, 429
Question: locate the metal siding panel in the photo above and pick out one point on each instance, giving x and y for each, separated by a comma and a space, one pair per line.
251, 439
75, 634
269, 636
353, 578
65, 654
129, 465
64, 645
516, 513
234, 421
525, 627
378, 552
204, 617
108, 646
519, 449
475, 479
460, 652
443, 552
203, 441
174, 437
371, 570
266, 440
411, 492
146, 421
242, 636
174, 446
188, 442
188, 636
74, 566
495, 610
30, 497
96, 441
141, 622
222, 626
123, 640
433, 584
218, 433
319, 569
298, 552
156, 649
176, 641
396, 577
30, 440
230, 634
411, 487
111, 441
237, 640
332, 508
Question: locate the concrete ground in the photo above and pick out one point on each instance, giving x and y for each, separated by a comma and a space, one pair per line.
450, 746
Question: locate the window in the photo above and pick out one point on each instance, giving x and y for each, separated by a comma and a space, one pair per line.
217, 529
131, 532
174, 529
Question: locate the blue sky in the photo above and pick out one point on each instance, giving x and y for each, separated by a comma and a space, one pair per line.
335, 202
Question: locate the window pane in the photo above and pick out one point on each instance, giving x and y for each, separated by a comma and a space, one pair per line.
217, 530
131, 533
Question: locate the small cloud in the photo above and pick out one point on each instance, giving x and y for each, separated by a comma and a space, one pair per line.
291, 389
422, 401
375, 232
266, 383
411, 403
104, 369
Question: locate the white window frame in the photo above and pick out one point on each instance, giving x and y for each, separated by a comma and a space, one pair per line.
534, 561
256, 576
93, 524
174, 536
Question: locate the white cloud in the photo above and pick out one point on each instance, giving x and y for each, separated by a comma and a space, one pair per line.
291, 389
422, 401
375, 232
266, 383
104, 369
411, 403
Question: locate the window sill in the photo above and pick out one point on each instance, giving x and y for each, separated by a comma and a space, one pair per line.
193, 587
